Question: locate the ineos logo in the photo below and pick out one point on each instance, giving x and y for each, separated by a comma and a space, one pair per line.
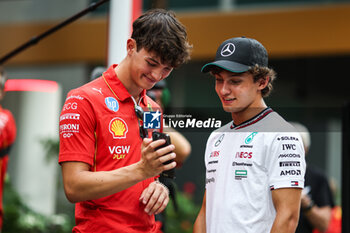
228, 50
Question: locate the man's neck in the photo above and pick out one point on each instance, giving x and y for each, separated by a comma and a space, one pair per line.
241, 116
123, 74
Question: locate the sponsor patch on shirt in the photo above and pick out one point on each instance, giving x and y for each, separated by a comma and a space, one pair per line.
249, 139
240, 174
118, 128
70, 106
119, 152
70, 116
69, 128
294, 183
112, 104
220, 139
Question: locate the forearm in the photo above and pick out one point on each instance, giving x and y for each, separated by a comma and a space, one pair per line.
200, 223
287, 205
286, 223
86, 185
319, 217
81, 184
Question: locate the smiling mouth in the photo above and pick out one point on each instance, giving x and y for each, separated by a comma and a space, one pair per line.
228, 99
150, 79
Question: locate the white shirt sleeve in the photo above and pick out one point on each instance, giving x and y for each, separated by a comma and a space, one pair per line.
286, 161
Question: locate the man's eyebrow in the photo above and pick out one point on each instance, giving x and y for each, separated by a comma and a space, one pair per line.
154, 60
157, 62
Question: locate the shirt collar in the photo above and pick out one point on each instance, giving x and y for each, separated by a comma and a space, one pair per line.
118, 87
252, 120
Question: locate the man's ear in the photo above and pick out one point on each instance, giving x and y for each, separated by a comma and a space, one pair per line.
263, 82
131, 46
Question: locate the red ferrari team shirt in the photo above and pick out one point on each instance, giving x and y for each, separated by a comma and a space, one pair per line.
7, 137
98, 126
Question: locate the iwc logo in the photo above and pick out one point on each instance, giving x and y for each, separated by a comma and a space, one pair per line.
228, 50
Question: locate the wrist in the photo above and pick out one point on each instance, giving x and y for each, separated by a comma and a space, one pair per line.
138, 172
164, 186
308, 207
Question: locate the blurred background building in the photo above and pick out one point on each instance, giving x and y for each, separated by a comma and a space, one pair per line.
308, 43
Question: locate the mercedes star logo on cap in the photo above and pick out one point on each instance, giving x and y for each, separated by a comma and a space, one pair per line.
228, 50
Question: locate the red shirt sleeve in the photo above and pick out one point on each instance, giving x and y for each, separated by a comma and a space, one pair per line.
7, 129
77, 130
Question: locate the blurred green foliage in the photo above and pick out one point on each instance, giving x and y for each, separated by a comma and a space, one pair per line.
182, 220
51, 146
19, 218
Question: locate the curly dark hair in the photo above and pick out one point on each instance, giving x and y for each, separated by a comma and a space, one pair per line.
260, 72
160, 32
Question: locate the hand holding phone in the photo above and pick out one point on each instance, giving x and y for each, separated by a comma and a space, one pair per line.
156, 136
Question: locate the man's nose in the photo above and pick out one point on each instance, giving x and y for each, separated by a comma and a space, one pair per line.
224, 90
157, 75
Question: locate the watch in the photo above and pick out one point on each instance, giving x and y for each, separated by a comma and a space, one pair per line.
308, 208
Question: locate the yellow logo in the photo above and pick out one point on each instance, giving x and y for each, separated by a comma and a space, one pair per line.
121, 156
118, 128
119, 152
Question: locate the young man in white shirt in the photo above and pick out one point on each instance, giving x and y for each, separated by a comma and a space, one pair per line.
255, 164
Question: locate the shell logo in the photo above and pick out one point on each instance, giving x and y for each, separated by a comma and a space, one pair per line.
118, 128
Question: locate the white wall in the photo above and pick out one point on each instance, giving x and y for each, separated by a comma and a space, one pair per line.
32, 175
37, 116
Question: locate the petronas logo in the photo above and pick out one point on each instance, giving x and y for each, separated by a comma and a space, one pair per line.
249, 139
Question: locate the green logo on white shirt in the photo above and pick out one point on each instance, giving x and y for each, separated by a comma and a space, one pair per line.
241, 172
249, 139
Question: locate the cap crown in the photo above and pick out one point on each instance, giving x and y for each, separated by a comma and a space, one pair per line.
244, 51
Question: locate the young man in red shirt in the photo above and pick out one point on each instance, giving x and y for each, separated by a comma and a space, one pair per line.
7, 138
109, 165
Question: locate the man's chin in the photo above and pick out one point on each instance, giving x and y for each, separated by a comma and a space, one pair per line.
231, 109
147, 86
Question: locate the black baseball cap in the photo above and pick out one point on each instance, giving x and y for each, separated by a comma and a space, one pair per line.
238, 55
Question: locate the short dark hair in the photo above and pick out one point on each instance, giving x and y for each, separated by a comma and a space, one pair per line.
159, 31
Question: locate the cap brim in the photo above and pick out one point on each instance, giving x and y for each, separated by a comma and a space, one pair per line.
226, 65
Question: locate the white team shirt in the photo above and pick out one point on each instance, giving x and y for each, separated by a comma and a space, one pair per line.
243, 164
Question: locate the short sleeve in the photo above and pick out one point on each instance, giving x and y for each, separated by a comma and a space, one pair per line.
286, 161
7, 129
77, 130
